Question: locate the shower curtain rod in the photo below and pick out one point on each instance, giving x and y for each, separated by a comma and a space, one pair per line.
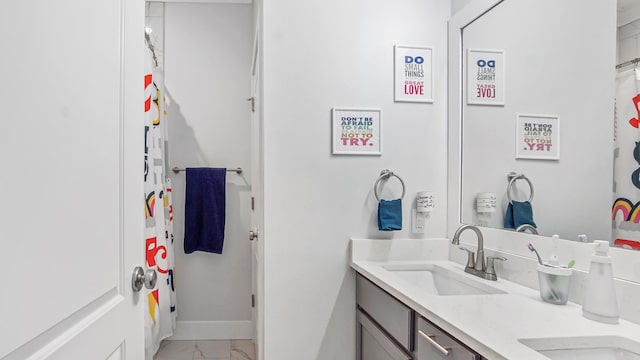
630, 62
236, 170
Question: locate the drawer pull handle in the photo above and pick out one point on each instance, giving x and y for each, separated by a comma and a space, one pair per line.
435, 344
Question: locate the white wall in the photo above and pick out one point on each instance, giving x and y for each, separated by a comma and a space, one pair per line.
457, 5
628, 12
207, 61
317, 55
628, 42
548, 72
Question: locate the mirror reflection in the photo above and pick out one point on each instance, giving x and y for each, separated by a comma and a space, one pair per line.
573, 157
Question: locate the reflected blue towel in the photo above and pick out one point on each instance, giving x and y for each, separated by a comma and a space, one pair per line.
390, 215
518, 213
204, 210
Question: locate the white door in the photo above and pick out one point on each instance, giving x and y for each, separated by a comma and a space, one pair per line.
257, 219
71, 151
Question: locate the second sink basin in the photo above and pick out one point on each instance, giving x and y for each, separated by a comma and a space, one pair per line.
586, 348
438, 280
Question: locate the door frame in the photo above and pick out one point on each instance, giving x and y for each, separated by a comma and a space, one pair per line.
257, 176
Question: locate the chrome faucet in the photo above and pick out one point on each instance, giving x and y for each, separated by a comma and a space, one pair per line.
477, 267
525, 227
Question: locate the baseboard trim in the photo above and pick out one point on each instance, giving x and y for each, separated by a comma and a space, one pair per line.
212, 330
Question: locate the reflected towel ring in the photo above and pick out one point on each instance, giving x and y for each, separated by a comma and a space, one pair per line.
385, 175
512, 179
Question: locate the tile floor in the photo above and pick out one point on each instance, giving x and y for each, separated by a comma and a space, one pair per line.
206, 349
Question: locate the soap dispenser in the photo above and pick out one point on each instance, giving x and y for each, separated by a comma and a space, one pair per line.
600, 303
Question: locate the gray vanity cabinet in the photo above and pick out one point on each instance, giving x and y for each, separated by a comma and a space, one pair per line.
384, 324
387, 329
374, 343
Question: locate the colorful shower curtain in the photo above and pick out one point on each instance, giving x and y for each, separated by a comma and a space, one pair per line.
626, 177
160, 314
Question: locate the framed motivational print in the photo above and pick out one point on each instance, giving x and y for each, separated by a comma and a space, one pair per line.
356, 131
413, 74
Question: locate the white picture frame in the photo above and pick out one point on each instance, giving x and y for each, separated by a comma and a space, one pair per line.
537, 137
485, 72
356, 131
413, 74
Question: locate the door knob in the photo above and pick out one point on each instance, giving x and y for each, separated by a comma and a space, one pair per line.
253, 235
140, 277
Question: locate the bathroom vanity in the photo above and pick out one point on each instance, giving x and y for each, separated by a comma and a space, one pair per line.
413, 303
387, 329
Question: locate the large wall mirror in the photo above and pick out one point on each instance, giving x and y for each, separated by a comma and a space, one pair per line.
553, 64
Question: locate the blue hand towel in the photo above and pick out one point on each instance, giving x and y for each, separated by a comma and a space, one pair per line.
204, 216
518, 213
390, 215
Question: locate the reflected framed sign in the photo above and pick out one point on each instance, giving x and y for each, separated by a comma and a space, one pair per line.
537, 137
485, 77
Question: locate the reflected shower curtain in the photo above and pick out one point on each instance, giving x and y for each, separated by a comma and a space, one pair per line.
160, 313
626, 177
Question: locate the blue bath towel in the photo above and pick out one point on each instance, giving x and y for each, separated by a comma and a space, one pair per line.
390, 215
204, 210
518, 213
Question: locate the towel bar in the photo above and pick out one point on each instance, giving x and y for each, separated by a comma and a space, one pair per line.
237, 170
512, 177
385, 175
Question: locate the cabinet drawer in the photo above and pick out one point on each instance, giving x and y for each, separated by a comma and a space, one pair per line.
375, 344
434, 344
391, 314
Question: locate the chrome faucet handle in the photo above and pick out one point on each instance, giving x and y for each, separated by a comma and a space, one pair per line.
470, 254
491, 270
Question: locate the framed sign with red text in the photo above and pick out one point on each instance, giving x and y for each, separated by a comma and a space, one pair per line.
356, 131
413, 74
537, 137
485, 77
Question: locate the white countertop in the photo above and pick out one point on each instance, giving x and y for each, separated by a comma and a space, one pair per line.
491, 324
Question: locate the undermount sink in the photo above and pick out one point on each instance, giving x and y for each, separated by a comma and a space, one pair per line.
438, 280
586, 348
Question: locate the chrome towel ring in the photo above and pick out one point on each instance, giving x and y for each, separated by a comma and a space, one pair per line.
385, 175
512, 177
